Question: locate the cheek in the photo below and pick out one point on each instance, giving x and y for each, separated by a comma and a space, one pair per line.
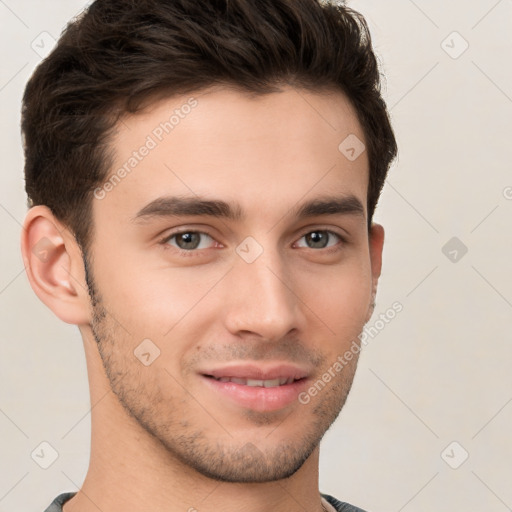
152, 301
340, 296
157, 302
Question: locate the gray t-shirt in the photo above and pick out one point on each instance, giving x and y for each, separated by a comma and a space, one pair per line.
57, 503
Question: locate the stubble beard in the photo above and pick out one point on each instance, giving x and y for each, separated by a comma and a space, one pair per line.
226, 459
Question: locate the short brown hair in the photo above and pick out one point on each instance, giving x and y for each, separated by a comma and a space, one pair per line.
119, 54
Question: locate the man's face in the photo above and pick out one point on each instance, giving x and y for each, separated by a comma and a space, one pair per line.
265, 294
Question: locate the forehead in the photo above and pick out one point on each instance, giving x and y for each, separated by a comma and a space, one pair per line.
264, 152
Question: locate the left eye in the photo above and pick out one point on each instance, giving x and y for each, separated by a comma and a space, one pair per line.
189, 240
320, 239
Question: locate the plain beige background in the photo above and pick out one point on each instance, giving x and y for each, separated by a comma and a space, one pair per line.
434, 384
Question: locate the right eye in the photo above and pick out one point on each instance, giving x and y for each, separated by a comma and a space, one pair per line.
188, 241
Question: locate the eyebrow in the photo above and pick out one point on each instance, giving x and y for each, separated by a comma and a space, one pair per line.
176, 206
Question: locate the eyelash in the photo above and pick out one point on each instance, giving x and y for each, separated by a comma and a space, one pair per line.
198, 252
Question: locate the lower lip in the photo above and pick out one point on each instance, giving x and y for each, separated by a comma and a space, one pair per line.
258, 398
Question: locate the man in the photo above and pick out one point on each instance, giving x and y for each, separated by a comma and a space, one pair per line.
202, 178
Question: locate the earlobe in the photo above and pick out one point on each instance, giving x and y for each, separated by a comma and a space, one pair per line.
376, 244
54, 266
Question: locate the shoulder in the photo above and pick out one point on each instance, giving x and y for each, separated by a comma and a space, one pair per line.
340, 506
58, 502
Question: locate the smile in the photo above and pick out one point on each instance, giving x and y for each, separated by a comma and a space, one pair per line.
262, 388
269, 383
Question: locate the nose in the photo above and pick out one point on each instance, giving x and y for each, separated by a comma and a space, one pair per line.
260, 299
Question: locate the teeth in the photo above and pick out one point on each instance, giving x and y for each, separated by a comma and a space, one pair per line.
269, 383
251, 382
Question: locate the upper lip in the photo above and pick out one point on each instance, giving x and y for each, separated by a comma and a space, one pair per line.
252, 371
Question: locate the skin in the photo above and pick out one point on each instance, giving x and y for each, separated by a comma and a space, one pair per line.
162, 439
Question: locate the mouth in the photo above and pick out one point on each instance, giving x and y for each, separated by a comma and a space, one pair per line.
267, 383
257, 388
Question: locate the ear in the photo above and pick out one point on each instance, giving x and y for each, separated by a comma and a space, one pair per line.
376, 244
54, 266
